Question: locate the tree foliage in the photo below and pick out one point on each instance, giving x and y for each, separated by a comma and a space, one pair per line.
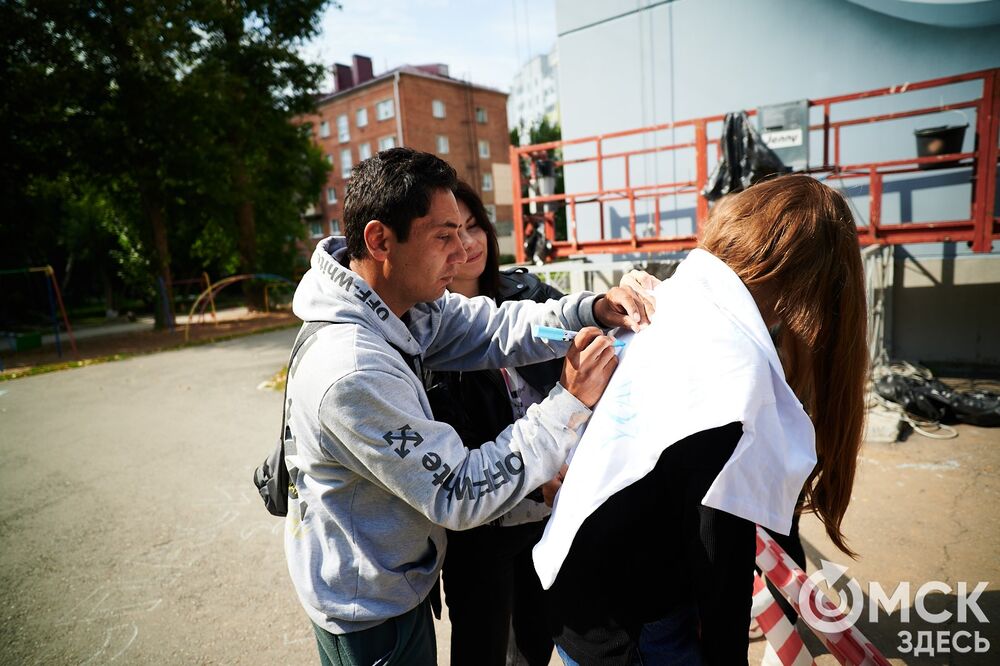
544, 131
541, 131
140, 137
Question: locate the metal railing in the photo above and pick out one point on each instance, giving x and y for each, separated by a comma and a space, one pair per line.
980, 230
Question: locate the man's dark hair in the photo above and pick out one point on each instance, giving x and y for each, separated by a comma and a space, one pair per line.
394, 187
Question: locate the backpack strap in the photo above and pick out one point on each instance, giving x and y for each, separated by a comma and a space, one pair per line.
271, 478
308, 329
414, 362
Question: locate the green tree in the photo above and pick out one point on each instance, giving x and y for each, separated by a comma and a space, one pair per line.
118, 114
540, 132
154, 138
260, 81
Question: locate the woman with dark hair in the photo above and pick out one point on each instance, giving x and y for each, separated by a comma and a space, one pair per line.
490, 586
707, 428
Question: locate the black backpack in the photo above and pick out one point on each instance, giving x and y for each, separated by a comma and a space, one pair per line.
271, 478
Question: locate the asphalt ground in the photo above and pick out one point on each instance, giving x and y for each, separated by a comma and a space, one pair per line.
130, 532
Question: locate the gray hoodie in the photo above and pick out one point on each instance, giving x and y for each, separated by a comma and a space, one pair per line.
377, 479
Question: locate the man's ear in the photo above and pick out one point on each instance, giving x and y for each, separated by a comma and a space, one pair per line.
377, 239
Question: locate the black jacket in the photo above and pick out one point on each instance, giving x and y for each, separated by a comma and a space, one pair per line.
652, 549
476, 403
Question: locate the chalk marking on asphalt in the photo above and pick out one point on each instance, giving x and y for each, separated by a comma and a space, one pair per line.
213, 529
171, 555
171, 551
107, 643
200, 536
304, 639
228, 498
97, 609
931, 467
275, 529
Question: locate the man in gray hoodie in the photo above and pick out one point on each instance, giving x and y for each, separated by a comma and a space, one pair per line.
375, 480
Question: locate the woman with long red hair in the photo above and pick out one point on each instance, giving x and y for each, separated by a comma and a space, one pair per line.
744, 395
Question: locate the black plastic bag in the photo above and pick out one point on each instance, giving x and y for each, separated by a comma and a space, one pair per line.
933, 400
745, 159
979, 408
910, 394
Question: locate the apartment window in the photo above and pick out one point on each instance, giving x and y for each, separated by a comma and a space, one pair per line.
345, 162
343, 129
324, 129
361, 117
316, 229
329, 158
487, 182
334, 227
385, 109
437, 108
480, 115
387, 142
491, 211
442, 145
331, 195
364, 151
484, 148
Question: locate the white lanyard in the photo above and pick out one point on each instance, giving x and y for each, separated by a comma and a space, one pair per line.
510, 380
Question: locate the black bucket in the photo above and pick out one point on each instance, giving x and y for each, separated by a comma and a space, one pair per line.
942, 140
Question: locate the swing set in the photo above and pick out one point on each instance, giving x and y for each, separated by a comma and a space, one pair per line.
54, 300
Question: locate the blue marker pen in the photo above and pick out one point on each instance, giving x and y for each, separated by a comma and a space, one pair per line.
561, 334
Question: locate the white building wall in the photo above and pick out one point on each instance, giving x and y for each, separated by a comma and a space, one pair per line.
626, 64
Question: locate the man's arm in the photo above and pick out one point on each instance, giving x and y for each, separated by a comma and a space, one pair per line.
376, 427
475, 333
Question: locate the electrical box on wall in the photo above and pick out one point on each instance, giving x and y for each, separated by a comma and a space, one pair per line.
784, 128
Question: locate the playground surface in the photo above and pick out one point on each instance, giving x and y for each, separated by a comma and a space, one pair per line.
131, 532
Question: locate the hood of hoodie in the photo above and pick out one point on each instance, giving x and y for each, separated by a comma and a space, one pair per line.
331, 291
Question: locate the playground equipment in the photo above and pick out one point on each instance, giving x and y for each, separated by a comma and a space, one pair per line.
168, 308
212, 291
54, 300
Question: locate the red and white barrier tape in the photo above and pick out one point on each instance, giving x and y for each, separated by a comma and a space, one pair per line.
846, 643
779, 632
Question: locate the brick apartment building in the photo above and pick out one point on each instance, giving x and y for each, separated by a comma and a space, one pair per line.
419, 107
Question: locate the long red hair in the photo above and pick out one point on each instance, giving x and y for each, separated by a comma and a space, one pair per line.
794, 244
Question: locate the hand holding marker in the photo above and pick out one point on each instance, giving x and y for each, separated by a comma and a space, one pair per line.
561, 334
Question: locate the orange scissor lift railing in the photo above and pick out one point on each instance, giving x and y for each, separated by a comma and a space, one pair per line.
980, 230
